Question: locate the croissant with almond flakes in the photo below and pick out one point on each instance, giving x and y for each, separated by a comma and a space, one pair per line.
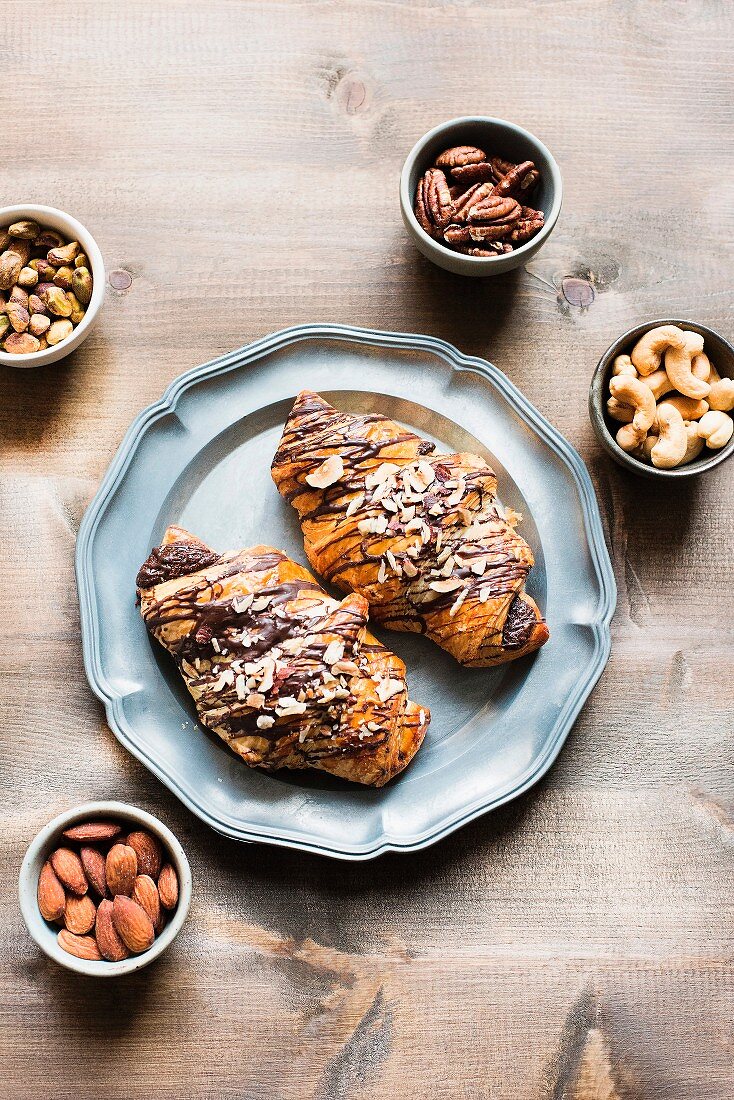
286, 675
420, 535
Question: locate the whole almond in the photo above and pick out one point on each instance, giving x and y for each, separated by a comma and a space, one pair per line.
168, 887
145, 893
51, 895
84, 947
120, 869
133, 924
93, 863
80, 914
92, 831
148, 851
68, 867
108, 941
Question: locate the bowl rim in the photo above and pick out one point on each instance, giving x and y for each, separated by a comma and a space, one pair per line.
406, 199
597, 398
92, 250
35, 857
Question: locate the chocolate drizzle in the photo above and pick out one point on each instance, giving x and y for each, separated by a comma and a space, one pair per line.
277, 661
423, 538
177, 559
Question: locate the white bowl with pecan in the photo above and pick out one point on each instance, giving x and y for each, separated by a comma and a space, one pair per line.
51, 221
479, 195
61, 852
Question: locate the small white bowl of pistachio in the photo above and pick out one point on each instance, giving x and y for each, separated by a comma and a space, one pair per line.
52, 283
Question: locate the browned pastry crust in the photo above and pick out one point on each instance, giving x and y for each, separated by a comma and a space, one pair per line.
420, 535
286, 675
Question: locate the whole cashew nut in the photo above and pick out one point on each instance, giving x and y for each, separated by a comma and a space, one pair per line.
678, 366
648, 351
688, 407
694, 445
716, 428
648, 445
672, 443
631, 391
658, 382
701, 366
721, 395
625, 414
630, 439
623, 365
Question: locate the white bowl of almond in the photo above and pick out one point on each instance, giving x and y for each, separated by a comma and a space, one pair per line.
51, 284
104, 889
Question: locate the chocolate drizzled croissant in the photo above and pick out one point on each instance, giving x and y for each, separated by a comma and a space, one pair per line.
286, 675
420, 535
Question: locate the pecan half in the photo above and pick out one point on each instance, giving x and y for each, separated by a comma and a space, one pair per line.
520, 179
491, 248
473, 173
528, 225
456, 234
489, 232
494, 209
434, 208
459, 156
476, 193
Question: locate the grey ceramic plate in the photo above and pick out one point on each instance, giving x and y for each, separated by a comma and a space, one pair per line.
201, 457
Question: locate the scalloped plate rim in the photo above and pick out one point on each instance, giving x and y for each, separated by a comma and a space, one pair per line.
242, 357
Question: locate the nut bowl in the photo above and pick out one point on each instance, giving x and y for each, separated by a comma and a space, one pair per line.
721, 353
50, 837
50, 218
497, 138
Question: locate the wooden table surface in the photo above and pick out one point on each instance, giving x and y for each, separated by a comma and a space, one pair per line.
240, 161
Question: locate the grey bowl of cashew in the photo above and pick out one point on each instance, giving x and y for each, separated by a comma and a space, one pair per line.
721, 354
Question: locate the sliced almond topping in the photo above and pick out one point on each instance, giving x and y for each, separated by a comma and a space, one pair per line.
346, 668
355, 504
409, 569
288, 705
387, 688
382, 573
224, 680
242, 603
384, 471
448, 566
458, 493
261, 603
426, 474
240, 685
479, 566
392, 562
333, 652
330, 470
458, 602
485, 594
449, 585
265, 721
255, 700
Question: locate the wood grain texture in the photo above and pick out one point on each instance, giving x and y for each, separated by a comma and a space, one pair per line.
240, 161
